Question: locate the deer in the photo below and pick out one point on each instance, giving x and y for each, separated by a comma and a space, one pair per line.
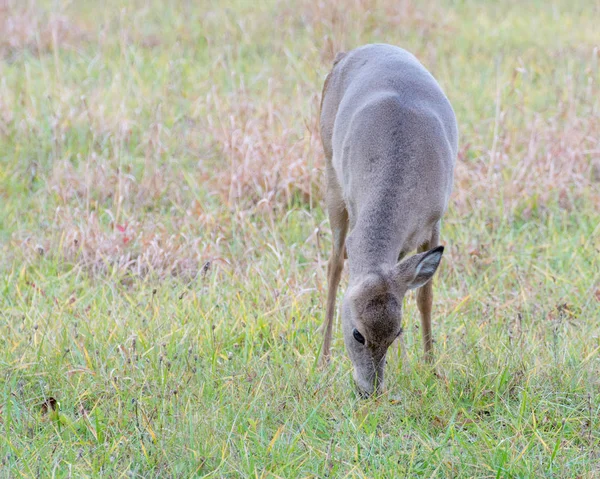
390, 139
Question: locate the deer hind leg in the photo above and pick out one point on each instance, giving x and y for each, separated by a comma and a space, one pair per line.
338, 219
425, 300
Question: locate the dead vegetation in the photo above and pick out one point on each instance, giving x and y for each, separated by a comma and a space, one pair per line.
25, 26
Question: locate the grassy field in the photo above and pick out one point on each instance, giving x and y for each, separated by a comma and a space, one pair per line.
163, 245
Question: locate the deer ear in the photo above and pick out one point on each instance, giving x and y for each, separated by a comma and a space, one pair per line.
420, 268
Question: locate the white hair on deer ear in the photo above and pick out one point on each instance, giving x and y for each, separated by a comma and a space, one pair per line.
426, 267
417, 270
429, 264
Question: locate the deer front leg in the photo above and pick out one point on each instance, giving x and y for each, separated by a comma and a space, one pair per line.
338, 218
424, 302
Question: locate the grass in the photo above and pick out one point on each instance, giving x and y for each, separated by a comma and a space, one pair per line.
163, 245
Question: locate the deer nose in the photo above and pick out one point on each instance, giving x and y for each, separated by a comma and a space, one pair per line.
365, 388
364, 393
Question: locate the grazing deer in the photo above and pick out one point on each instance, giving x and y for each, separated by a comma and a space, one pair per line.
390, 138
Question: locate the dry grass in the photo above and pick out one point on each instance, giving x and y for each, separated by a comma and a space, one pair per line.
27, 27
550, 159
265, 162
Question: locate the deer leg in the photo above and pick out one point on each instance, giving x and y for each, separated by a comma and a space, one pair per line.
338, 219
425, 300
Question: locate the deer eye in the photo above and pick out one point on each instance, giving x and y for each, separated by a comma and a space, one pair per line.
359, 337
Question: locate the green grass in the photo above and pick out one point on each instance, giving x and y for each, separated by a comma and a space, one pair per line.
163, 245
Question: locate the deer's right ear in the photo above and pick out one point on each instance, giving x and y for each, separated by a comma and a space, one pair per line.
420, 268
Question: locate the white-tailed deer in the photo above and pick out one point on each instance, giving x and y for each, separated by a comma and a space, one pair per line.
390, 139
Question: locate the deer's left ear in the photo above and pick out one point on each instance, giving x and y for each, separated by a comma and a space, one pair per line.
418, 269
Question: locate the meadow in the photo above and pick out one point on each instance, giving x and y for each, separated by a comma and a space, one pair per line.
163, 244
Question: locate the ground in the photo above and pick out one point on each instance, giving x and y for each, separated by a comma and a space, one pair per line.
163, 244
